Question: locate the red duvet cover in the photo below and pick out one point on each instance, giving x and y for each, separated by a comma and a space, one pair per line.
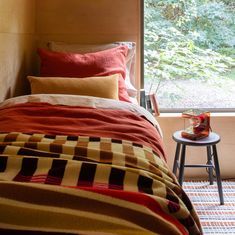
74, 168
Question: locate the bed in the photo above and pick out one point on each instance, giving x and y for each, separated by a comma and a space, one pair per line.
78, 156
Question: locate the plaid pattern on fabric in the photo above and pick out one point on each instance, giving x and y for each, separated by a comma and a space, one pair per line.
112, 172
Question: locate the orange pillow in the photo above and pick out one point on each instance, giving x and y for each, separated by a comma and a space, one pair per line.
104, 87
101, 63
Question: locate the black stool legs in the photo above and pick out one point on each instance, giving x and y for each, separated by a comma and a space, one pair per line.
211, 157
176, 161
210, 162
182, 161
217, 171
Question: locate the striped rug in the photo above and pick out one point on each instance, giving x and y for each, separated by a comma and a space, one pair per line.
215, 218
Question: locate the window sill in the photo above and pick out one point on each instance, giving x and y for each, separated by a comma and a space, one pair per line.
176, 115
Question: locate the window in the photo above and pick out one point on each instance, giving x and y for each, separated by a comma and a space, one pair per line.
189, 53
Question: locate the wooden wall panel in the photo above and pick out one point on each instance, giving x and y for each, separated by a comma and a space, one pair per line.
89, 21
17, 31
90, 17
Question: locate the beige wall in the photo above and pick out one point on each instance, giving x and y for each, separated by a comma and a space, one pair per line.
88, 21
17, 28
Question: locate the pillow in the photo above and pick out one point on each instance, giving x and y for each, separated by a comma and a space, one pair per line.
80, 48
86, 48
104, 87
102, 63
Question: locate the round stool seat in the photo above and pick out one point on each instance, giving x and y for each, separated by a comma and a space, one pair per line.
212, 139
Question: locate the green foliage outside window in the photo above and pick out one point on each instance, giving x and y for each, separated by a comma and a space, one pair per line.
189, 39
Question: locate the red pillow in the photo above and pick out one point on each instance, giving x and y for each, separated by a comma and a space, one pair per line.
101, 63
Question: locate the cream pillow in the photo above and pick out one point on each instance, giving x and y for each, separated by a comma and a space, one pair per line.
104, 87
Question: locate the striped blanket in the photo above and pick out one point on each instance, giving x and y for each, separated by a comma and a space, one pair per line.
68, 184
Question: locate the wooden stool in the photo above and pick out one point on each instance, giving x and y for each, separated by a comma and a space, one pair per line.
212, 158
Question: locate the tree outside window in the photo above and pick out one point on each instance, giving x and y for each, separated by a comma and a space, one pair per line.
189, 53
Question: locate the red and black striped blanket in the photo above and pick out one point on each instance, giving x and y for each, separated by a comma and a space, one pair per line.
81, 184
